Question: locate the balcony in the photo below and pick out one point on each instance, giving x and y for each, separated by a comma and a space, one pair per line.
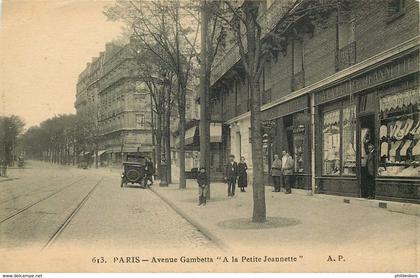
346, 56
267, 20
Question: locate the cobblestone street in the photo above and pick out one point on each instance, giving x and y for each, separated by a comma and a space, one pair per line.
85, 217
35, 212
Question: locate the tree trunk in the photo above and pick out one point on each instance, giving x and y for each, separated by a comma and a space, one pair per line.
181, 110
96, 155
167, 133
158, 154
168, 141
204, 96
258, 187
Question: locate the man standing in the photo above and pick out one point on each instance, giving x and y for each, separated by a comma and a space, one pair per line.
370, 175
276, 173
231, 173
150, 170
287, 165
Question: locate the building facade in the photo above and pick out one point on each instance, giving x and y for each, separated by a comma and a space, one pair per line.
109, 93
337, 85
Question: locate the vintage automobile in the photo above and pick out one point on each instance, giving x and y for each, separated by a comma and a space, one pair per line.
134, 171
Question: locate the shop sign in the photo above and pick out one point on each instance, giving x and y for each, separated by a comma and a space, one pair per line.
399, 68
287, 108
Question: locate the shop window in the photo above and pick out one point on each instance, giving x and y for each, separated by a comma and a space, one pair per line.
331, 143
339, 142
399, 134
349, 141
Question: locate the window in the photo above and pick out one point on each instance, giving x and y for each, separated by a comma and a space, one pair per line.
267, 75
139, 97
395, 8
331, 140
297, 56
399, 134
298, 80
346, 46
266, 94
339, 142
345, 28
349, 141
140, 120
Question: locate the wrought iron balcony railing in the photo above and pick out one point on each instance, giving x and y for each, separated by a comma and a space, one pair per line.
267, 21
346, 56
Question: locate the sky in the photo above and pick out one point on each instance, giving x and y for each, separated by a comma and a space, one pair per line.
44, 45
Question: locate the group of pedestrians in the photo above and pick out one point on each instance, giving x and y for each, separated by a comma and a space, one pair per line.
234, 173
282, 172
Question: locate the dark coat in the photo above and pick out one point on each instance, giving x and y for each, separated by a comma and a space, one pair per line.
242, 175
370, 163
149, 168
202, 179
231, 170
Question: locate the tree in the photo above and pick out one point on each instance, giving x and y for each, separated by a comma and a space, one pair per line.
211, 42
255, 44
159, 23
159, 82
58, 140
11, 127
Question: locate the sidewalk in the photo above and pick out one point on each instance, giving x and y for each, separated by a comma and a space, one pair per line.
300, 225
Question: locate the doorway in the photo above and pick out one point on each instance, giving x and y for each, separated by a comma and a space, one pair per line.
367, 137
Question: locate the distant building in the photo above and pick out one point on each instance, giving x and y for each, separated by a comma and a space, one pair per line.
109, 93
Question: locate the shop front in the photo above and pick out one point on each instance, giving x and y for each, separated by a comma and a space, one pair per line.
367, 131
287, 128
192, 150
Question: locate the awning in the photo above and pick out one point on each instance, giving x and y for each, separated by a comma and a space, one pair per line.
399, 100
215, 132
102, 152
331, 118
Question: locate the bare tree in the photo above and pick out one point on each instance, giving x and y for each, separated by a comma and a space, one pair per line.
159, 23
256, 42
159, 83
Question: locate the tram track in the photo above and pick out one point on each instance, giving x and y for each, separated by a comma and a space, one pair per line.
36, 191
70, 217
39, 201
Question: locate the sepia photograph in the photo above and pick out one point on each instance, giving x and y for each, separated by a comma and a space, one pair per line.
209, 136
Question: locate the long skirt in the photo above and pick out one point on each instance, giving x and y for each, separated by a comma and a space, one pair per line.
243, 181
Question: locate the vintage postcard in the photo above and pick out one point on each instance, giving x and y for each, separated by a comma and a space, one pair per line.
209, 136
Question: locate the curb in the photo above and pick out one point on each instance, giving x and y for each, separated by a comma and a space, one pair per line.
406, 208
8, 179
217, 241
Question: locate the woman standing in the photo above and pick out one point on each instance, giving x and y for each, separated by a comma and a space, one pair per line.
242, 175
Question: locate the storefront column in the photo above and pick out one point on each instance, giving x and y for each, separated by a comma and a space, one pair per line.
313, 139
